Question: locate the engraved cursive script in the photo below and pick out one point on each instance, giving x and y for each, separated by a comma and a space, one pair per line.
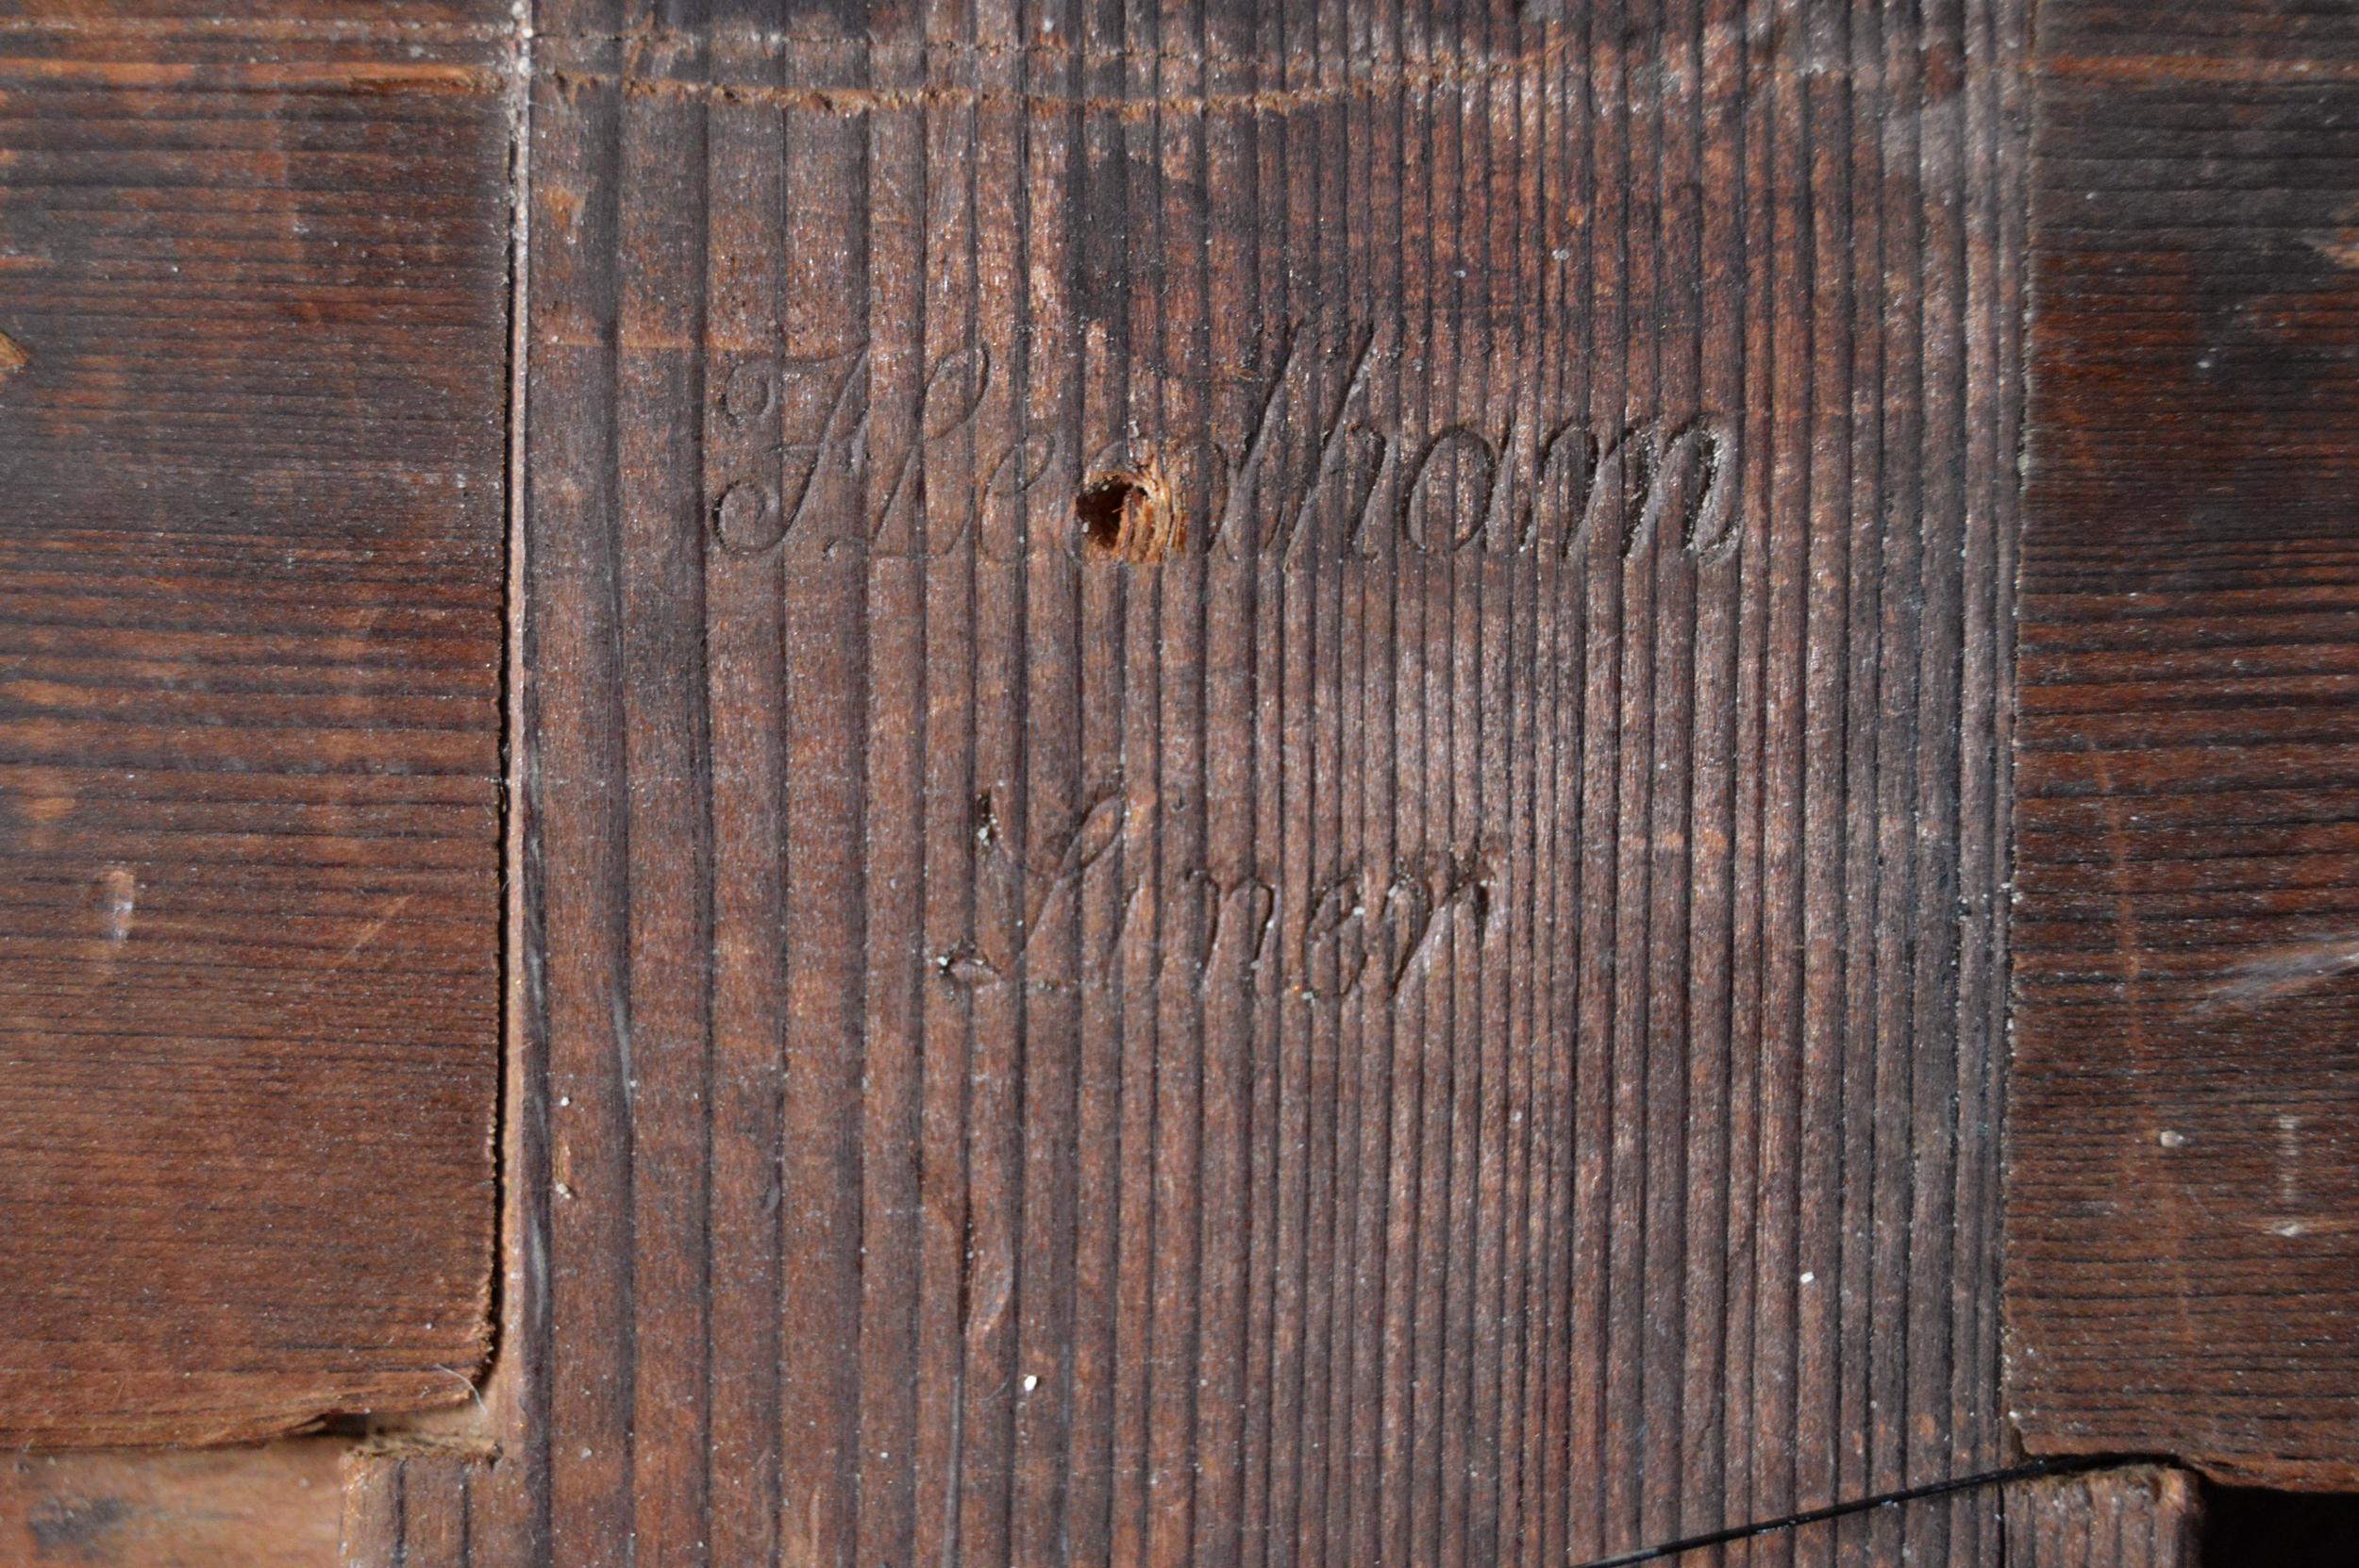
1322, 465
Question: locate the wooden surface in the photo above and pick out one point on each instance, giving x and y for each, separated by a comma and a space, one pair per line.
2141, 1517
272, 1507
1263, 767
1434, 1000
2183, 1252
252, 279
408, 1506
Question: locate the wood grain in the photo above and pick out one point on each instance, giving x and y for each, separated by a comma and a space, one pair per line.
409, 1505
1442, 1012
2183, 1258
251, 450
272, 1507
2138, 1517
1871, 1535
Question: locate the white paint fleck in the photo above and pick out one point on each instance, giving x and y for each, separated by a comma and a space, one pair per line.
119, 894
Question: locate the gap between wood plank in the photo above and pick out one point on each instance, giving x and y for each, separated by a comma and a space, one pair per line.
2030, 1471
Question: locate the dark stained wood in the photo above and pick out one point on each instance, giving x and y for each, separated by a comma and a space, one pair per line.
1435, 1002
409, 1505
2183, 1252
2140, 1517
1885, 1535
273, 1506
253, 271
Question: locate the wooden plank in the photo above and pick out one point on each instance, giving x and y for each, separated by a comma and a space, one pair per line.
251, 443
2139, 1517
1427, 997
1964, 1526
272, 1507
409, 1505
2183, 1258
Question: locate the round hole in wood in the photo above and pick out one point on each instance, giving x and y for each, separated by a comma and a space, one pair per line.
1129, 515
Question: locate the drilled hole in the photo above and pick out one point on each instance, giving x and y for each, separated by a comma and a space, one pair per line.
1128, 516
1100, 508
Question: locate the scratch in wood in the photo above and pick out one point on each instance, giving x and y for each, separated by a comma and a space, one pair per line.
2283, 971
1376, 80
368, 934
